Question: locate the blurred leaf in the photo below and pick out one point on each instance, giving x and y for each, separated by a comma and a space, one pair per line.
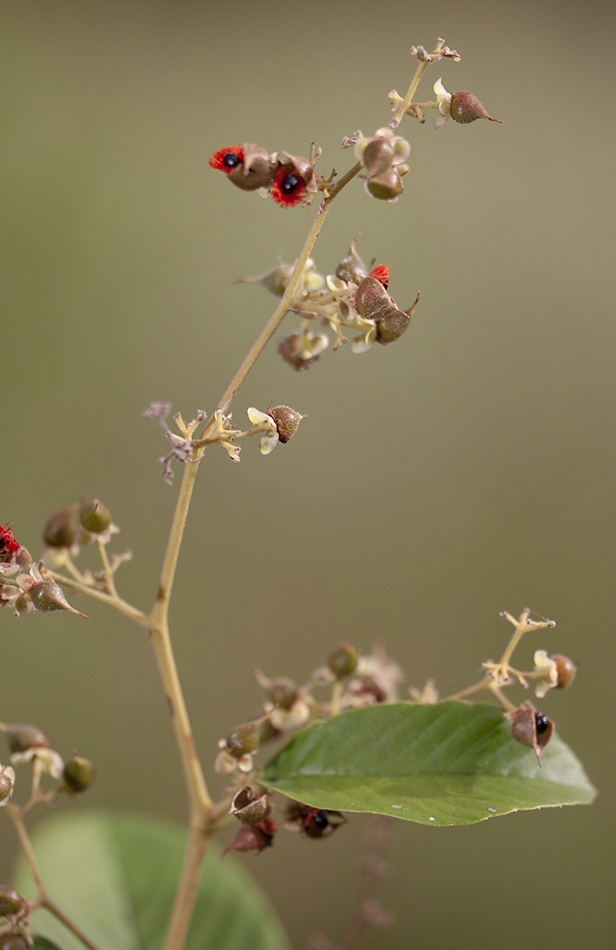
41, 943
449, 764
116, 877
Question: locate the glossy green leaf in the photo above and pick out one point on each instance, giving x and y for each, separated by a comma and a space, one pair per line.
116, 876
449, 764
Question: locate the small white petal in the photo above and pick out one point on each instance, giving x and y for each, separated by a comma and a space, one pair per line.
440, 120
439, 89
257, 417
268, 442
335, 283
362, 343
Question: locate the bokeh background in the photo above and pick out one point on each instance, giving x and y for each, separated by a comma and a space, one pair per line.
466, 470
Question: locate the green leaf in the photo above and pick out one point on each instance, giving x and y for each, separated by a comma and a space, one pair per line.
449, 764
116, 877
41, 943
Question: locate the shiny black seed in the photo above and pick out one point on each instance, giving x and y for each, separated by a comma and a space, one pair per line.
289, 183
231, 160
541, 723
319, 820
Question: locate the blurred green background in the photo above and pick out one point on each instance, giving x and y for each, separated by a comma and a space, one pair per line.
466, 470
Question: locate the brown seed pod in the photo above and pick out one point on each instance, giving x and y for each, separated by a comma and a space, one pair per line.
249, 805
531, 728
386, 187
256, 170
374, 303
566, 670
466, 107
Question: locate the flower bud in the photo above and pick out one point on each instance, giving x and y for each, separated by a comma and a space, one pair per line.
78, 774
47, 596
94, 516
530, 728
21, 737
343, 661
466, 107
11, 903
287, 420
62, 528
249, 805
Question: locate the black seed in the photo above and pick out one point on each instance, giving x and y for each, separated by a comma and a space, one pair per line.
289, 183
319, 820
231, 160
541, 723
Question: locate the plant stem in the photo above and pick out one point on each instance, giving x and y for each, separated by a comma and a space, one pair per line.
199, 797
116, 602
15, 813
401, 110
198, 842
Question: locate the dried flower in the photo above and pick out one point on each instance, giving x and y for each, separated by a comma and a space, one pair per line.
301, 349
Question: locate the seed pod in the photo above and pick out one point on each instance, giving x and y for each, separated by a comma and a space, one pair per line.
243, 739
79, 774
252, 837
287, 420
466, 107
21, 737
566, 670
377, 156
47, 595
351, 268
531, 728
7, 781
249, 805
385, 187
11, 903
94, 516
13, 942
248, 166
343, 660
62, 528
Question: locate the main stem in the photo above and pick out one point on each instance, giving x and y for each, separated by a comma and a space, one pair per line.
201, 807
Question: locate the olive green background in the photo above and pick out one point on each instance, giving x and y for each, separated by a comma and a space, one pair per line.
465, 470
